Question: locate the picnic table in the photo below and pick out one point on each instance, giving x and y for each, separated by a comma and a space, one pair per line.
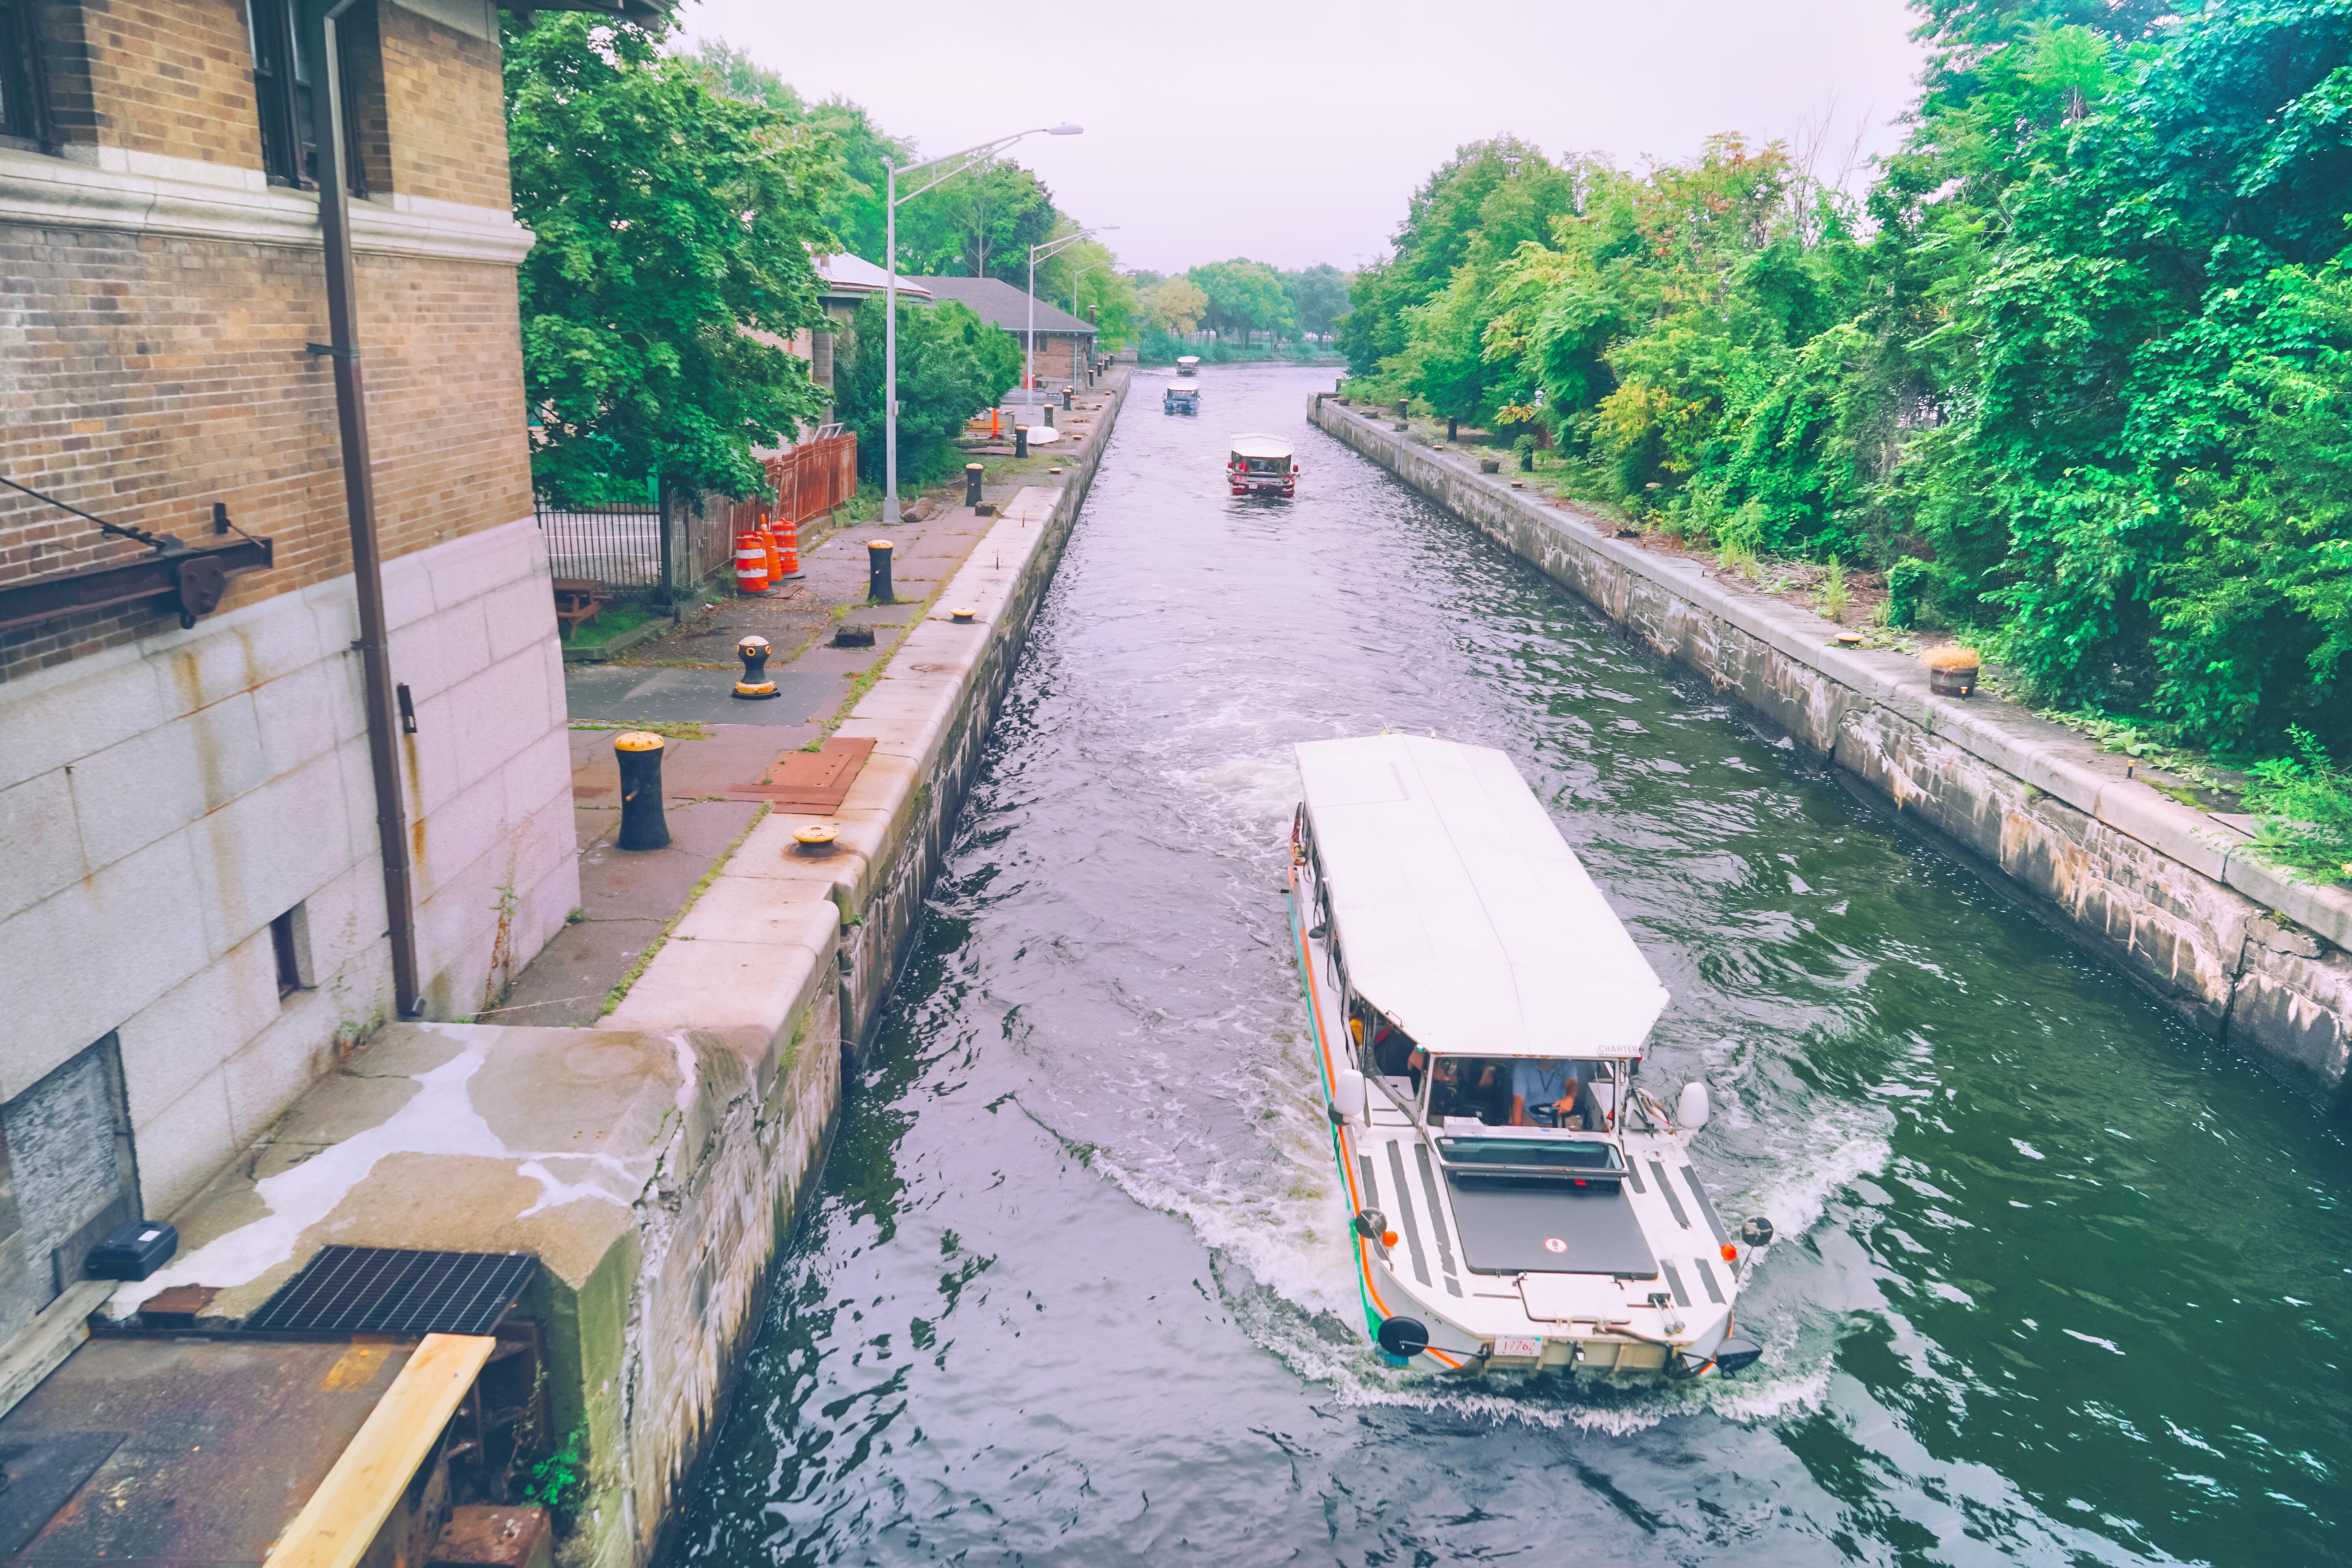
577, 600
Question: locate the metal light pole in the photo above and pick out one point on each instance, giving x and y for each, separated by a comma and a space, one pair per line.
1037, 253
969, 156
1081, 272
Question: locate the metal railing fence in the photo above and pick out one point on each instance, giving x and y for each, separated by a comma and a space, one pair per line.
622, 546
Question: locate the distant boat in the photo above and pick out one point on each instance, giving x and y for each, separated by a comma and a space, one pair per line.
1479, 1016
1178, 398
1188, 364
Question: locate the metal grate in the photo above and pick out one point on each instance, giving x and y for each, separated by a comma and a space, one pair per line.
392, 1290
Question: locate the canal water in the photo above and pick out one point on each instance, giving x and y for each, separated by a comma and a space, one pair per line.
2062, 1281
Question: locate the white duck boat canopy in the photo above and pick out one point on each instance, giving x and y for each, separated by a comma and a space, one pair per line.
1461, 912
1261, 446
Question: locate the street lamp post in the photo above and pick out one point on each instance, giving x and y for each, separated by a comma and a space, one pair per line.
1037, 253
968, 157
1081, 272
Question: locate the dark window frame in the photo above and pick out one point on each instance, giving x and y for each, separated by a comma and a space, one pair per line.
285, 95
24, 119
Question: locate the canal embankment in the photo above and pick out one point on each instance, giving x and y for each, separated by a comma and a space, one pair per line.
654, 1158
2164, 890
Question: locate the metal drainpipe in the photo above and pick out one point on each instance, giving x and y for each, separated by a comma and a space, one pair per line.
318, 17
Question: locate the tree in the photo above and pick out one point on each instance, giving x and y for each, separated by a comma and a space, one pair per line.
981, 224
951, 365
1176, 305
732, 73
674, 229
1243, 297
1318, 296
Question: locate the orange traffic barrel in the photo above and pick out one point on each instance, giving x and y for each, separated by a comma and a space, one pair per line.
789, 536
751, 564
775, 556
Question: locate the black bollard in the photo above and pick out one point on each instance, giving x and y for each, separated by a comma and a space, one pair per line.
878, 572
753, 652
639, 755
1021, 441
1049, 416
971, 472
1453, 429
1069, 393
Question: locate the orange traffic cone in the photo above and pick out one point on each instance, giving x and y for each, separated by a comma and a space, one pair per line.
791, 542
751, 564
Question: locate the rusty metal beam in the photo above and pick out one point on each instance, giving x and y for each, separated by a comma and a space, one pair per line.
184, 574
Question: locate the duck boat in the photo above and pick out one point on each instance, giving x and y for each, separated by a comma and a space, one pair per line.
1188, 364
1518, 1200
1177, 397
1262, 466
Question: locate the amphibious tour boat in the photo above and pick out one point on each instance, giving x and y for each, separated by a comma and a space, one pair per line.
1188, 364
1178, 398
1518, 1201
1260, 466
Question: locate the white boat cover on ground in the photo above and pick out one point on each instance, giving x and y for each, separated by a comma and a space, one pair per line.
1461, 913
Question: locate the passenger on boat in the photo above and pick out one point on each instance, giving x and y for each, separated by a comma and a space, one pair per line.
1460, 1087
1547, 1082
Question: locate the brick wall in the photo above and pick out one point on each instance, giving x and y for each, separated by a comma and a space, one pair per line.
149, 378
447, 110
173, 76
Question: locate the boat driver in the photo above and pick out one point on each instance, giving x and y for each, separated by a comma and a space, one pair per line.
1549, 1081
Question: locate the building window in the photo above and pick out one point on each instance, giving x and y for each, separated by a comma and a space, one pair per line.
286, 103
23, 103
290, 941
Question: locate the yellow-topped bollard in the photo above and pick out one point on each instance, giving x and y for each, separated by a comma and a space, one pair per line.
639, 754
878, 572
755, 684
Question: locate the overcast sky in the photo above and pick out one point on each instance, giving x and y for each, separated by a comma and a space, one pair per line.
1292, 132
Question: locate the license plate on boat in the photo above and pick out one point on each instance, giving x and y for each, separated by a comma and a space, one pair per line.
1504, 1346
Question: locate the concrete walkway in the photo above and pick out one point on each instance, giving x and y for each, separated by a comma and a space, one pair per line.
682, 685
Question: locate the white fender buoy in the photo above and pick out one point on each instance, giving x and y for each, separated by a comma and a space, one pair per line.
1692, 1107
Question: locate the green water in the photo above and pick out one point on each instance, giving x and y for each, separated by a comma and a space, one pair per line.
2062, 1281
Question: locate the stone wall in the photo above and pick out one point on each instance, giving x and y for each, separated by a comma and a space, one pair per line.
164, 801
2160, 887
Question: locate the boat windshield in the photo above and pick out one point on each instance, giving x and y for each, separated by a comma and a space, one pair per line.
1266, 465
1519, 1092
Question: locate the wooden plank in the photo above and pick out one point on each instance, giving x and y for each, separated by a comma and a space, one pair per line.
815, 783
340, 1522
43, 1345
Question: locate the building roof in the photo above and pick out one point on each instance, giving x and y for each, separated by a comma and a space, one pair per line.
845, 274
1463, 914
999, 303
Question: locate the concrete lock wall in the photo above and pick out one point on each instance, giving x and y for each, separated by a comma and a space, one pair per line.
2162, 888
164, 801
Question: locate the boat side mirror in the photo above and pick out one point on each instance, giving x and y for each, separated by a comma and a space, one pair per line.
1347, 1094
1691, 1107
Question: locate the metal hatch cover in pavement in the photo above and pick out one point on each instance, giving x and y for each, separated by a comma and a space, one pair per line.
396, 1291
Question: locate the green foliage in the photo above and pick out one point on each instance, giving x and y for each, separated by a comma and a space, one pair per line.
2303, 805
673, 230
2076, 370
1318, 298
951, 365
558, 1482
1242, 297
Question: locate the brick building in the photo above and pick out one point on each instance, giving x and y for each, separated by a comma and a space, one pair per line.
196, 798
1065, 342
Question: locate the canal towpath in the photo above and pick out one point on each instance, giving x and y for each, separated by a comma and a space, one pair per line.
680, 686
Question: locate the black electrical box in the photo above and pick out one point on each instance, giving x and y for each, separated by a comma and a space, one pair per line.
134, 1251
